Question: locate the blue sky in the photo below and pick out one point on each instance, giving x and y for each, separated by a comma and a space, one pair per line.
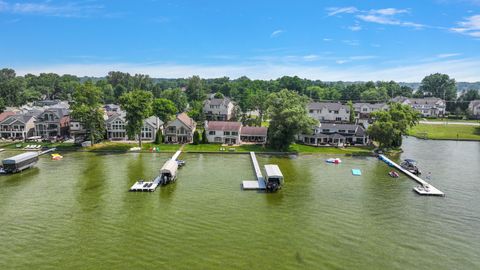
327, 40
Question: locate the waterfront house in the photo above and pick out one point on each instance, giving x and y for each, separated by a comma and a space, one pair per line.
364, 110
335, 134
329, 111
218, 109
18, 126
427, 106
180, 130
223, 132
474, 108
53, 122
256, 135
116, 127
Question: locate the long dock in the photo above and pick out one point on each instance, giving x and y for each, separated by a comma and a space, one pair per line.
151, 186
260, 183
430, 191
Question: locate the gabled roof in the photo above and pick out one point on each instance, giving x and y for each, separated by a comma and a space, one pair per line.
22, 118
370, 105
331, 106
254, 131
5, 114
474, 103
218, 101
154, 122
186, 120
223, 125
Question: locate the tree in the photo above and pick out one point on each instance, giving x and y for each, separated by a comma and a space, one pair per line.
195, 89
177, 97
260, 104
352, 111
288, 117
438, 85
138, 106
159, 137
164, 109
87, 109
218, 95
389, 126
196, 137
204, 137
2, 105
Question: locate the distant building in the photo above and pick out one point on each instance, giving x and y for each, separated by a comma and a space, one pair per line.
218, 109
329, 111
53, 122
364, 110
180, 130
474, 108
256, 135
335, 134
223, 132
427, 107
18, 126
116, 127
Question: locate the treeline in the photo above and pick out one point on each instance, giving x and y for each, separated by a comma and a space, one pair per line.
249, 94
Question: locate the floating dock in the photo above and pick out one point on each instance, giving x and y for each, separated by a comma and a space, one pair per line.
151, 186
430, 191
1, 149
260, 183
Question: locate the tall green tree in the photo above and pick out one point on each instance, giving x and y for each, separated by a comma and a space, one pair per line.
352, 111
195, 89
204, 137
389, 126
438, 85
164, 109
138, 106
288, 117
177, 97
2, 105
87, 109
196, 137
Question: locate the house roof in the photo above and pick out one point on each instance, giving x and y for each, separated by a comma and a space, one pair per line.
338, 126
474, 103
23, 118
223, 125
328, 105
186, 120
370, 105
5, 115
254, 131
426, 100
153, 121
218, 101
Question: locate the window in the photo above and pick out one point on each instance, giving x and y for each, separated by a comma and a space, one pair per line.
234, 133
341, 130
335, 112
365, 110
351, 131
311, 111
211, 132
226, 133
325, 130
338, 119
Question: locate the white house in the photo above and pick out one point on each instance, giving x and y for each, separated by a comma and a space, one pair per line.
180, 130
335, 134
218, 109
116, 127
474, 108
327, 111
428, 106
223, 132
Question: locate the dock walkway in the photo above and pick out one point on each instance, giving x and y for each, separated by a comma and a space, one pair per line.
260, 183
151, 186
431, 191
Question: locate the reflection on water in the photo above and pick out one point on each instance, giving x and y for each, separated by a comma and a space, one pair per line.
78, 213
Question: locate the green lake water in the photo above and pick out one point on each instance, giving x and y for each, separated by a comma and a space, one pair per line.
77, 213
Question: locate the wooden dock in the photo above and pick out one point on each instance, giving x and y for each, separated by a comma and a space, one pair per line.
151, 186
260, 183
430, 191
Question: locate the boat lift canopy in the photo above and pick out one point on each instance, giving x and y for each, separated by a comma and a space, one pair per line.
19, 158
273, 172
170, 167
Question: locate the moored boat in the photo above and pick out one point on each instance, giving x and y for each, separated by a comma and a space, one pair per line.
334, 160
20, 162
393, 174
411, 166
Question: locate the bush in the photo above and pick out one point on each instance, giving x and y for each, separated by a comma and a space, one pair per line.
159, 137
204, 137
196, 137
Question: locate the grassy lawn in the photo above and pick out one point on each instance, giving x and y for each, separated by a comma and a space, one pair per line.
58, 145
295, 148
450, 120
448, 132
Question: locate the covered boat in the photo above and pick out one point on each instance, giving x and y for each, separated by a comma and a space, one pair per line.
411, 166
20, 162
168, 173
274, 179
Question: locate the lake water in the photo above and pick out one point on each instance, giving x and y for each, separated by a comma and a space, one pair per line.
77, 214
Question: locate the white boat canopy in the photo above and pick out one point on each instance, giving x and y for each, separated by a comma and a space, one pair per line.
273, 172
19, 158
170, 167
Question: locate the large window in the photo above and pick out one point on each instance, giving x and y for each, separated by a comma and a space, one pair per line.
211, 132
118, 125
234, 133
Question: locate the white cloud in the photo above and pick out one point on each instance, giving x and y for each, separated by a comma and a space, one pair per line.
388, 11
276, 33
49, 9
461, 70
447, 55
351, 42
339, 10
355, 28
470, 26
327, 39
311, 57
